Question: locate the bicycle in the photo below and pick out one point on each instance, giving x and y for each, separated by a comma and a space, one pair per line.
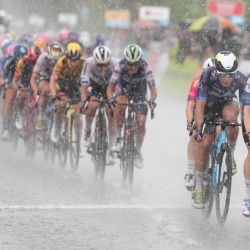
99, 146
128, 150
69, 140
218, 177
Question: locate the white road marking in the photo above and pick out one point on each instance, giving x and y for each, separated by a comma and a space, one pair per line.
98, 207
87, 207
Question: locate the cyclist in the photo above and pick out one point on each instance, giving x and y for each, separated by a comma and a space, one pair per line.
96, 74
20, 51
129, 80
190, 108
21, 80
41, 76
246, 136
216, 97
65, 81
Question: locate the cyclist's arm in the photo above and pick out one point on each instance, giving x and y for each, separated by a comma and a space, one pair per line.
34, 83
85, 80
53, 82
151, 83
113, 81
200, 103
199, 113
190, 111
246, 115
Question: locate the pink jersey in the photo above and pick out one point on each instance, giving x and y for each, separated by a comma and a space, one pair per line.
193, 91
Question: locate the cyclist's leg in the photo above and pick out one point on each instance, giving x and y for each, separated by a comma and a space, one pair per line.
189, 176
141, 117
90, 114
60, 106
119, 113
22, 102
7, 107
111, 127
42, 102
246, 171
230, 112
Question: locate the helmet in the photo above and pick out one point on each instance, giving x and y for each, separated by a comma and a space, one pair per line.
226, 61
73, 51
55, 50
133, 53
100, 40
6, 43
102, 54
209, 62
35, 52
20, 50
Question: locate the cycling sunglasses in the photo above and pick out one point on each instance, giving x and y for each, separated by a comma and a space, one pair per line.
224, 75
55, 52
133, 64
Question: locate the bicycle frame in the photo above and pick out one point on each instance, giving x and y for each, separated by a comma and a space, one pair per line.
70, 112
220, 140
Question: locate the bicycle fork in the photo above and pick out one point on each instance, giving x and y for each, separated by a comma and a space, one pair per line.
217, 158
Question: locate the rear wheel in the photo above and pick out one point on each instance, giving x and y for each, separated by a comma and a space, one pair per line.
223, 193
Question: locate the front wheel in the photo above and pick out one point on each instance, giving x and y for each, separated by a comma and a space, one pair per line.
224, 185
74, 148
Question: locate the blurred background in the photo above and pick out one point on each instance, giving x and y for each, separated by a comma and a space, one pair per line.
185, 32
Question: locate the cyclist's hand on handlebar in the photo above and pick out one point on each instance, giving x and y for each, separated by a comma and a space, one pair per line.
152, 104
112, 103
198, 135
82, 106
190, 126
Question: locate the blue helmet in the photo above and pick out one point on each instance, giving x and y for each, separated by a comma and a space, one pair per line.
20, 51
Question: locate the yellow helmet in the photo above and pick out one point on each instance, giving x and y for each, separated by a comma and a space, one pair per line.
73, 51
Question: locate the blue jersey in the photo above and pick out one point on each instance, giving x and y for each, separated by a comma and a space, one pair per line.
211, 90
3, 60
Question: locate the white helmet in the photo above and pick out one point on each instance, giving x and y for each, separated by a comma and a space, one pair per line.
102, 54
209, 62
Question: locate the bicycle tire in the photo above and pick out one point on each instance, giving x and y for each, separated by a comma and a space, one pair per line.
225, 183
74, 149
128, 155
100, 146
208, 196
63, 146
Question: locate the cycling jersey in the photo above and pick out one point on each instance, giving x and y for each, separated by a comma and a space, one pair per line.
3, 60
211, 90
64, 72
98, 80
44, 66
193, 90
68, 77
24, 69
9, 69
133, 85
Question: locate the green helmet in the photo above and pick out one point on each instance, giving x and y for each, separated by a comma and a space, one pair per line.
132, 53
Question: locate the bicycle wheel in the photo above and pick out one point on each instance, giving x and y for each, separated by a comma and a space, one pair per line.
63, 145
74, 149
30, 137
208, 195
223, 192
128, 156
100, 145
